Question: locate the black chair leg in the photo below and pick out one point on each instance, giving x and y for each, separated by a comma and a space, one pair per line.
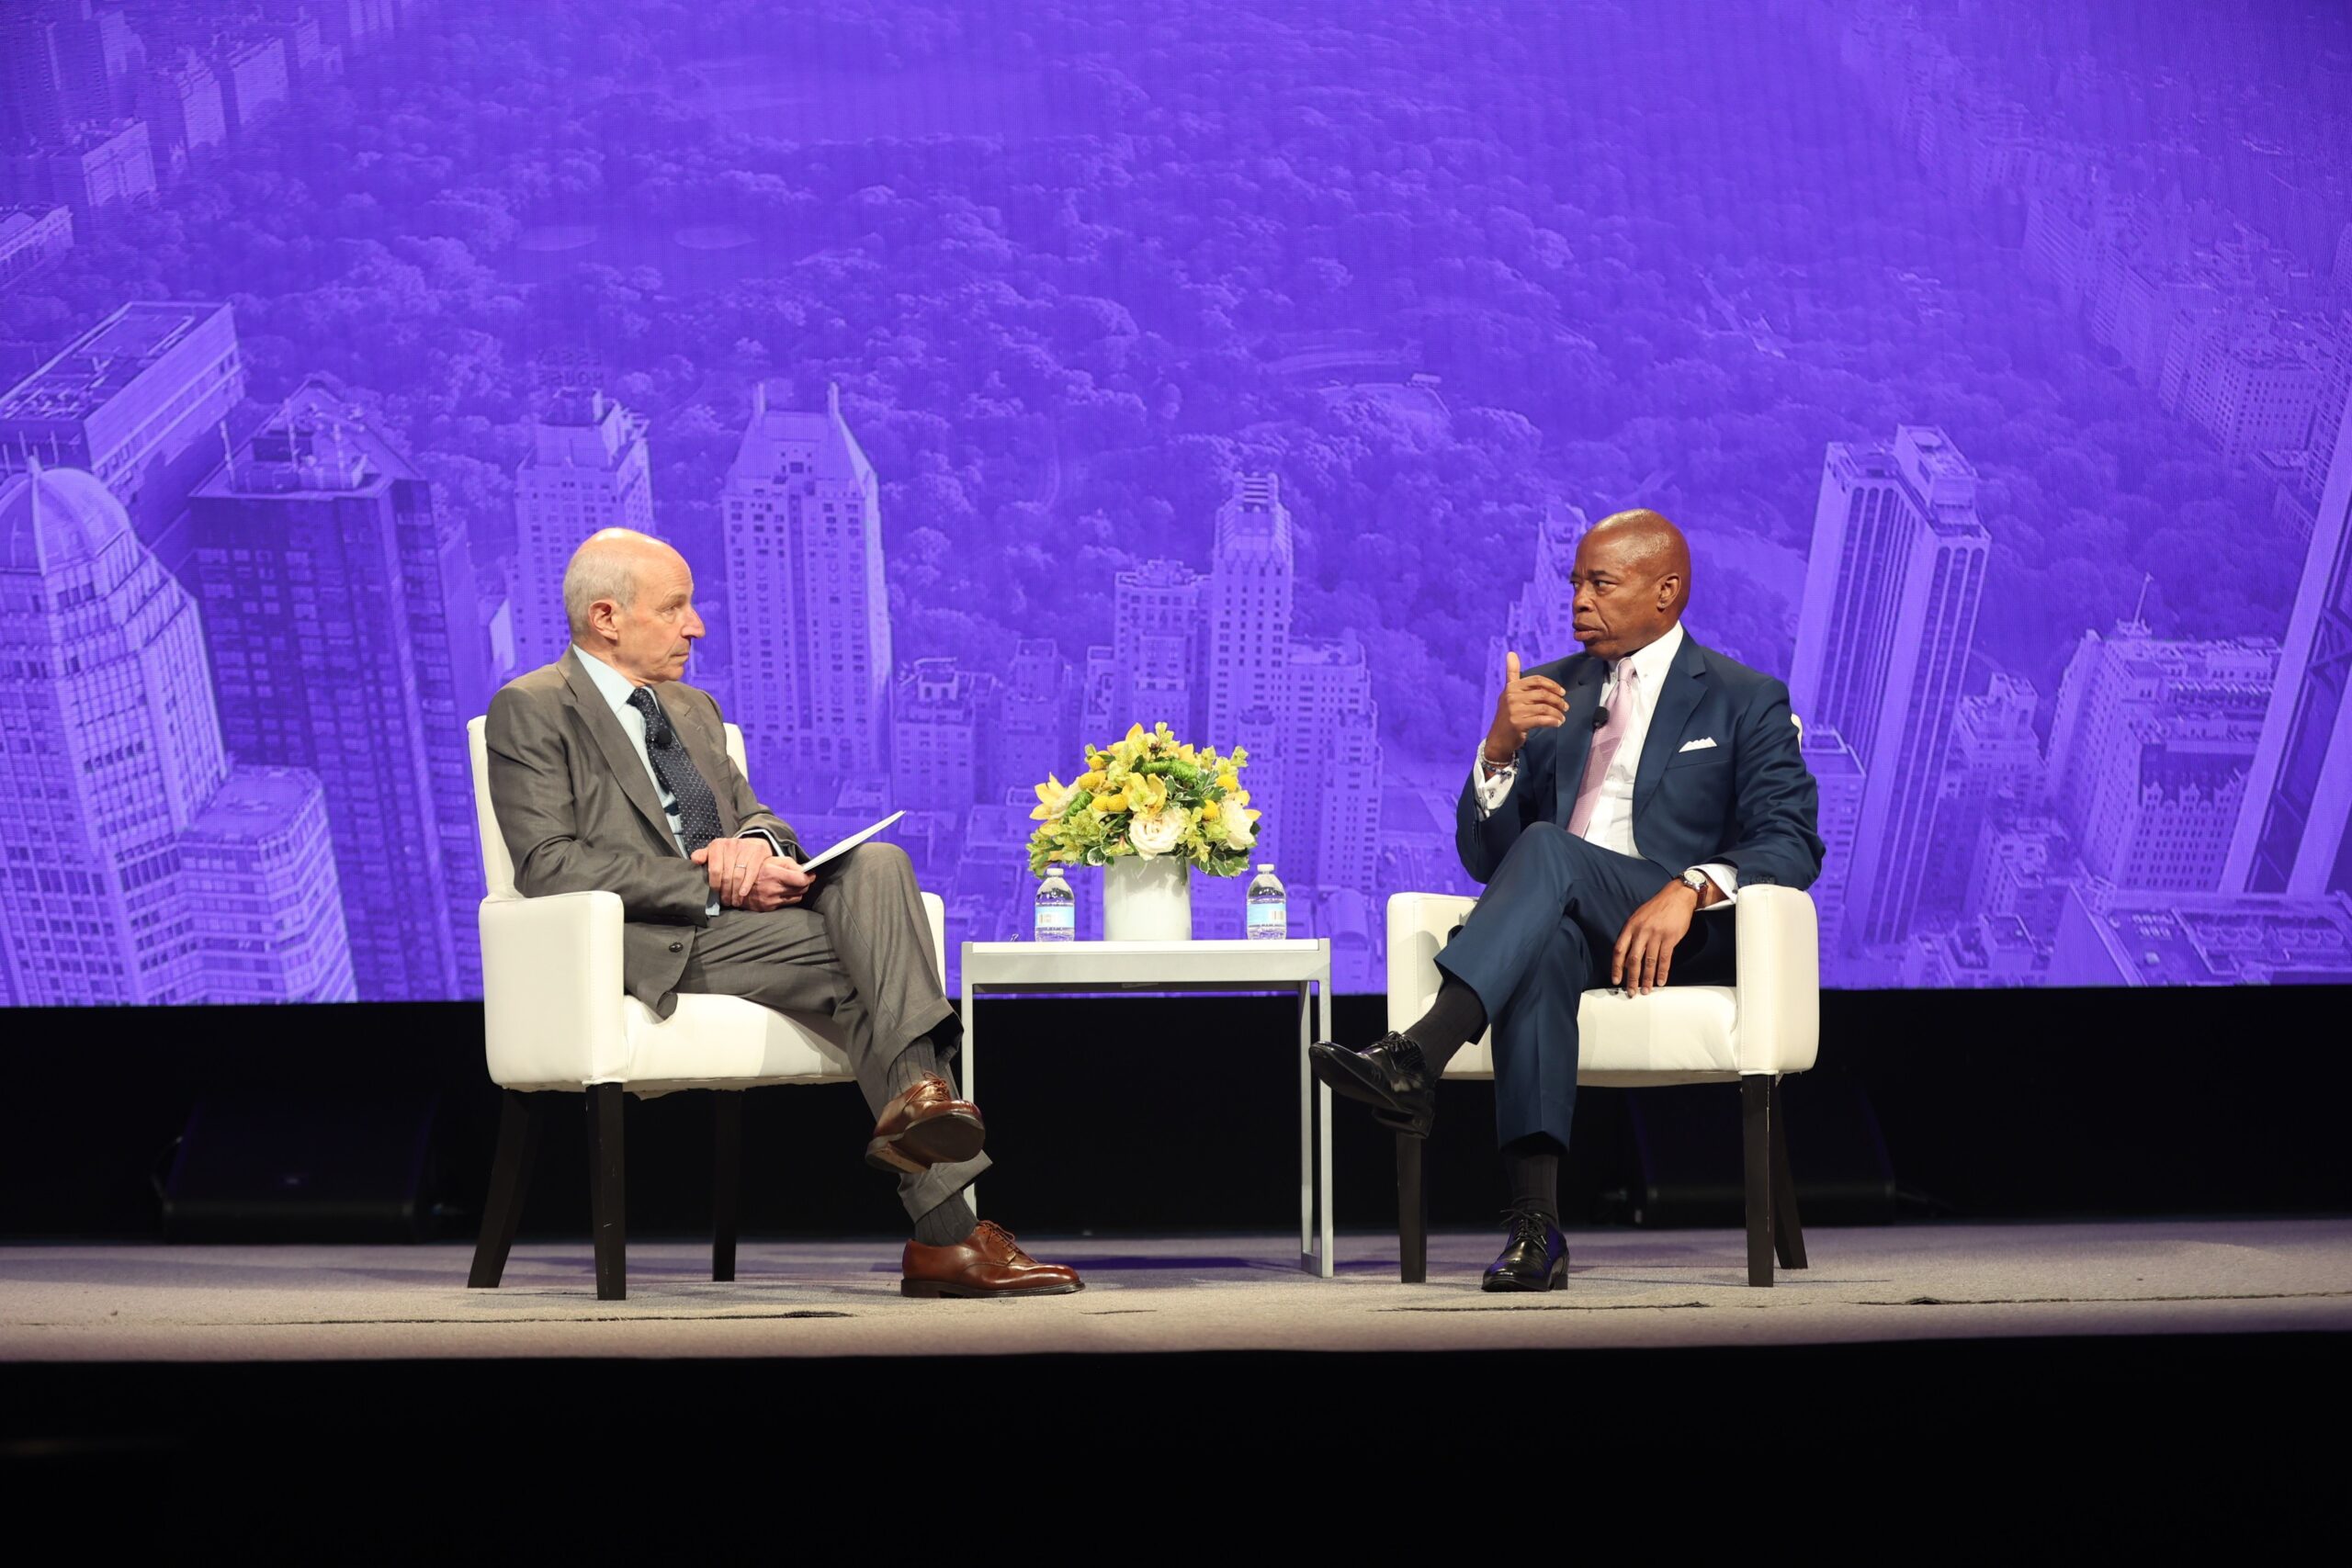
607, 1191
726, 1183
1412, 1211
510, 1180
1788, 1230
1755, 1139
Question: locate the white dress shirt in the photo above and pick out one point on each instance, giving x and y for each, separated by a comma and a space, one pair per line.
1611, 825
616, 689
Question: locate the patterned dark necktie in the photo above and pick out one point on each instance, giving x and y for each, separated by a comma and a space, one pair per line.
697, 811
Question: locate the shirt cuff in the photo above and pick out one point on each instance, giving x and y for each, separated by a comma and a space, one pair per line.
1490, 792
1725, 879
776, 844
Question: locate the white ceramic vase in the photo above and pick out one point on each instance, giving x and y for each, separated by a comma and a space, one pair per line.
1148, 900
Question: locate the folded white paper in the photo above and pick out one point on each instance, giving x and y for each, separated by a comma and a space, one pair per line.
813, 862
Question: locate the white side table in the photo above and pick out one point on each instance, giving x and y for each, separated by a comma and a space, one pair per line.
1301, 964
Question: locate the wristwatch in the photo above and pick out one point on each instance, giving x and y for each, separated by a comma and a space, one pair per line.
1697, 881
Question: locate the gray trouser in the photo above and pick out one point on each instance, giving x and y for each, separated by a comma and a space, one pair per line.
859, 953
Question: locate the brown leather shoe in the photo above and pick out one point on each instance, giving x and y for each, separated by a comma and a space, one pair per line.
986, 1263
926, 1125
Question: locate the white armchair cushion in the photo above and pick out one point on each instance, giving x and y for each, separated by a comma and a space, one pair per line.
1769, 1022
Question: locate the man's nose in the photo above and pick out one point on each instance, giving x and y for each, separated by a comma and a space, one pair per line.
694, 626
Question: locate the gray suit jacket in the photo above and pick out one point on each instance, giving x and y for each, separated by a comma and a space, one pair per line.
580, 814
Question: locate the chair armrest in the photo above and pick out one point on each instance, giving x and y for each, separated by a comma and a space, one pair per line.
1780, 979
935, 908
1418, 925
552, 988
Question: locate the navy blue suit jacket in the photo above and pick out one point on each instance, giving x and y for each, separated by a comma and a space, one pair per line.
1747, 800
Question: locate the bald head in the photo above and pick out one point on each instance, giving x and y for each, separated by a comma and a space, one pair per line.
1632, 580
630, 600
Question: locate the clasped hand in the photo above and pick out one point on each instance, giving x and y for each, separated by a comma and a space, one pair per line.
747, 874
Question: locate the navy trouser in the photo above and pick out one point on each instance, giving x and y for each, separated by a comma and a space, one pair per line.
1541, 937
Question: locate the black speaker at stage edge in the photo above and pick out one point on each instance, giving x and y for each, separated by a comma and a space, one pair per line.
257, 1166
1683, 1147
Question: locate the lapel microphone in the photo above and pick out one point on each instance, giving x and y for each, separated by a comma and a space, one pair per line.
1599, 720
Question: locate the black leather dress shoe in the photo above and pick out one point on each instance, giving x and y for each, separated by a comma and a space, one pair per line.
1535, 1258
1386, 1075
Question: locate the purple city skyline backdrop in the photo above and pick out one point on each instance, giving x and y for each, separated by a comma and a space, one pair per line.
1013, 374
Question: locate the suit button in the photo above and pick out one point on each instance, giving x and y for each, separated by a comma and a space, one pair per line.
677, 947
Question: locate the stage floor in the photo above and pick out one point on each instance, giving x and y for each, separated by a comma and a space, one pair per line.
1628, 1289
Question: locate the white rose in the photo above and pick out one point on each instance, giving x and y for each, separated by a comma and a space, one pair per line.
1157, 832
1239, 834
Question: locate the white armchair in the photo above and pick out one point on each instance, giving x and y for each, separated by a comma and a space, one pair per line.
1751, 1033
555, 1018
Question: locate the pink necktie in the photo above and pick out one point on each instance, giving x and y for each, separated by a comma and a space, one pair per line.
1604, 748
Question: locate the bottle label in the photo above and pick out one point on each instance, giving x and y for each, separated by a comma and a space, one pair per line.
1057, 922
1269, 920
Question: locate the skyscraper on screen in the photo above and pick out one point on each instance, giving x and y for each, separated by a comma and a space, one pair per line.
2290, 835
588, 470
1329, 835
338, 607
140, 866
1246, 654
138, 401
1838, 774
1040, 705
1249, 590
807, 608
945, 729
1891, 588
2149, 750
1157, 631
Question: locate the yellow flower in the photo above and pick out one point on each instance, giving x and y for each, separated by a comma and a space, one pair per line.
1106, 804
1228, 780
1053, 796
1148, 792
1211, 811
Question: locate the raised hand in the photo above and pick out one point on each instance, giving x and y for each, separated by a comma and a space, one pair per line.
1527, 703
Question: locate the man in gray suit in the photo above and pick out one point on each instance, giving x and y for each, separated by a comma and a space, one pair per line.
609, 773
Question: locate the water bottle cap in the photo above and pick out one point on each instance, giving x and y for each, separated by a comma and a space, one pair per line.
1267, 866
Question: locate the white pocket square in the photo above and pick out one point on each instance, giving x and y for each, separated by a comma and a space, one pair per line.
1704, 742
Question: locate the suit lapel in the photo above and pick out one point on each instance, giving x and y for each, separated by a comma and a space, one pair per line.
1575, 736
613, 741
1685, 685
711, 765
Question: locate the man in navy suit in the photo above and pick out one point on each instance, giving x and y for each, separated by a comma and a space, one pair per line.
1621, 798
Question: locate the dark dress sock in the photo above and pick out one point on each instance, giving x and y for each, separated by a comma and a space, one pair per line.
920, 1060
1532, 1166
1454, 1018
946, 1224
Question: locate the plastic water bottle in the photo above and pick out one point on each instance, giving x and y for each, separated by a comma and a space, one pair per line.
1056, 908
1269, 906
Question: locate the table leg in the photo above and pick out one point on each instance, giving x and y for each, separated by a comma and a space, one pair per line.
971, 1018
1323, 1130
1306, 1142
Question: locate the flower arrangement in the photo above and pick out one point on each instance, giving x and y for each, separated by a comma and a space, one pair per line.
1150, 796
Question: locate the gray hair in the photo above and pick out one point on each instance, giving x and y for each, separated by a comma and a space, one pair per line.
601, 570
